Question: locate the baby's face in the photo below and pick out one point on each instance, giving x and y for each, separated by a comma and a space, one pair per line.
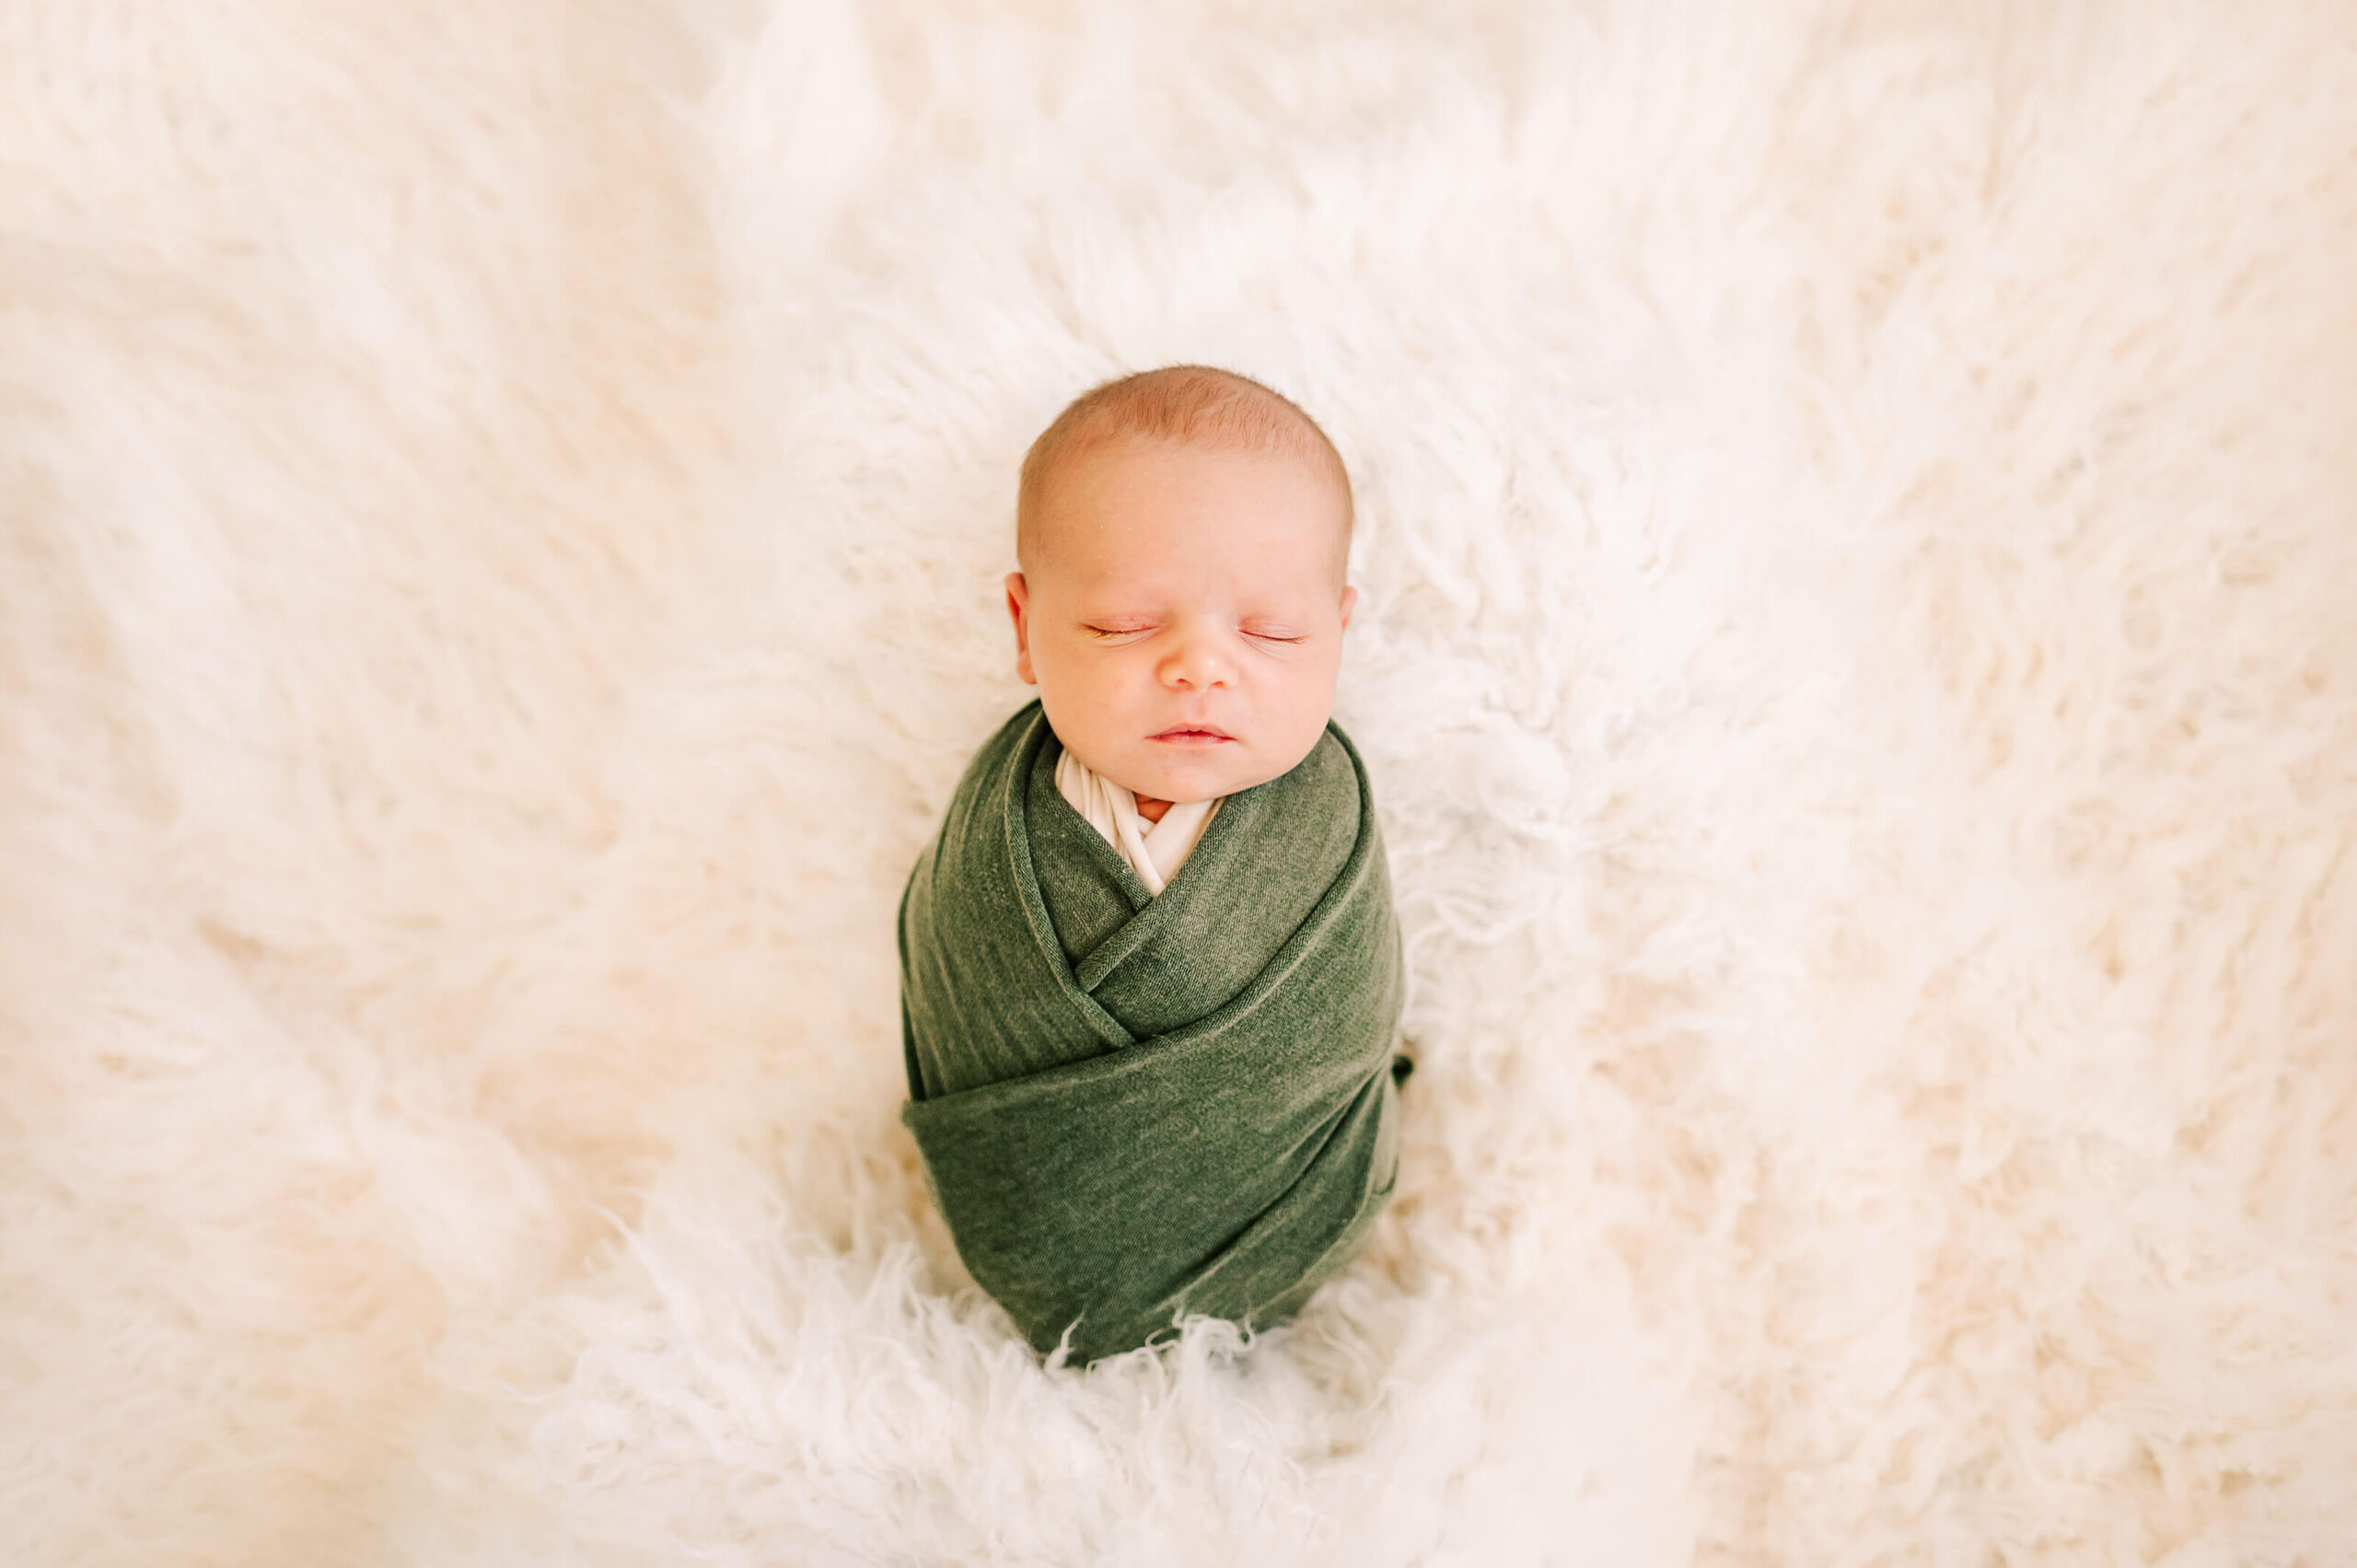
1183, 615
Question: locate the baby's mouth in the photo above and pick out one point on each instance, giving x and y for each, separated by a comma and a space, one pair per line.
1195, 735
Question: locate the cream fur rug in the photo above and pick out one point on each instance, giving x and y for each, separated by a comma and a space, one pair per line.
502, 506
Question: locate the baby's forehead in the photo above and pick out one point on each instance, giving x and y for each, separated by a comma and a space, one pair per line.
1101, 549
1178, 409
1142, 484
1229, 454
1203, 576
1090, 484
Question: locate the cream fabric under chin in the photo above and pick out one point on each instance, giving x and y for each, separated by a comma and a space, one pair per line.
1155, 850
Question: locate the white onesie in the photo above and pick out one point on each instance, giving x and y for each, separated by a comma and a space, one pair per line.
1155, 850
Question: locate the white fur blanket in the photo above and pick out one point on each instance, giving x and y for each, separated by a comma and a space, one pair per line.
500, 514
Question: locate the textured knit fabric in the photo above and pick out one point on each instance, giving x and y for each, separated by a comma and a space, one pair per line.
1154, 850
1132, 1106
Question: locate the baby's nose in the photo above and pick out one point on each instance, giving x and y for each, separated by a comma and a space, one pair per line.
1195, 663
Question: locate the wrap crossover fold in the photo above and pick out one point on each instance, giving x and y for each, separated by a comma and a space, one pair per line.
1133, 1106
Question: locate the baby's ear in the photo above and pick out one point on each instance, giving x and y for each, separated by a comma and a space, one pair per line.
1018, 604
1350, 599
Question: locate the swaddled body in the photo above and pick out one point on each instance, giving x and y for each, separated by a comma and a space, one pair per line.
1150, 1071
1134, 1105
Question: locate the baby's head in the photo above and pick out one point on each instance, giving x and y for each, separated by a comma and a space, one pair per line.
1183, 536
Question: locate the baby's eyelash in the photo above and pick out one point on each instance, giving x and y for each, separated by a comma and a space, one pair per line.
1096, 631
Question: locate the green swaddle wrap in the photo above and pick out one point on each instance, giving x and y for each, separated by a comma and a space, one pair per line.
1132, 1105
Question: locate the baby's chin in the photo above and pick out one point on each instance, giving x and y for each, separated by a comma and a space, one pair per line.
1190, 778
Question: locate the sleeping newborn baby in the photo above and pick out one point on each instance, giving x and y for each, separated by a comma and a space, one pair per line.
1150, 971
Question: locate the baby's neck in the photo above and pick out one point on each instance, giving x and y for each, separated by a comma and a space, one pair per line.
1151, 810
